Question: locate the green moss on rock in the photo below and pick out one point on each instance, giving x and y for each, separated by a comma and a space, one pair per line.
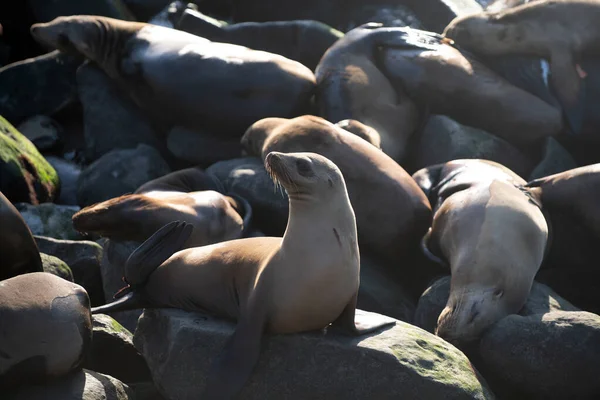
56, 266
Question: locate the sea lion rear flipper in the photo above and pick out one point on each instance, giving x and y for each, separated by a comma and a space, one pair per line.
243, 207
156, 250
355, 322
232, 368
130, 301
569, 87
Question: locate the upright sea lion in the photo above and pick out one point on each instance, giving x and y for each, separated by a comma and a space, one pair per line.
560, 31
183, 78
184, 195
46, 328
392, 213
493, 236
301, 282
350, 85
438, 77
18, 252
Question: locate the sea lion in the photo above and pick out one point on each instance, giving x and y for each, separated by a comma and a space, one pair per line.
350, 85
493, 235
185, 79
392, 213
46, 328
444, 80
301, 282
184, 195
18, 252
560, 31
362, 131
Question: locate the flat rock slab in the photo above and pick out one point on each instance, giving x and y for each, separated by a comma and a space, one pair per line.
402, 361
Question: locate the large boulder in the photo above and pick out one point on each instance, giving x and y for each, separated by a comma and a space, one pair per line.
42, 131
68, 173
81, 385
555, 159
83, 257
113, 353
545, 356
111, 120
119, 172
201, 148
25, 176
400, 362
41, 85
56, 266
51, 220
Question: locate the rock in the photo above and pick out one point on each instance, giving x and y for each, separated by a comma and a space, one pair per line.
42, 85
42, 131
45, 11
387, 14
25, 176
81, 385
112, 121
84, 258
444, 139
248, 178
50, 220
145, 9
145, 391
68, 174
113, 353
400, 362
380, 293
436, 14
119, 172
170, 14
113, 261
56, 266
544, 356
542, 299
201, 148
555, 159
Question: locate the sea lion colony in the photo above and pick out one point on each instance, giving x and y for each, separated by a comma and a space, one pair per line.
280, 179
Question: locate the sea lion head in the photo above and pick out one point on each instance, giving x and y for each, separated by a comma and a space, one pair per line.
74, 34
304, 174
483, 33
255, 136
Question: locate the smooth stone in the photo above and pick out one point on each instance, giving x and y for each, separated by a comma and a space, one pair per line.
546, 356
51, 220
201, 148
555, 159
114, 258
387, 14
25, 176
111, 119
112, 352
56, 266
42, 85
402, 361
68, 174
83, 257
81, 385
42, 131
119, 172
44, 10
437, 14
542, 299
444, 139
146, 391
145, 9
248, 178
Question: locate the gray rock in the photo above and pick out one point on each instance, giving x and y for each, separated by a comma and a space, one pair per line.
444, 139
541, 300
436, 14
42, 131
389, 15
248, 178
119, 172
68, 174
45, 11
51, 220
400, 362
201, 148
56, 266
113, 261
555, 159
112, 121
42, 85
145, 391
113, 353
81, 385
83, 257
144, 9
545, 356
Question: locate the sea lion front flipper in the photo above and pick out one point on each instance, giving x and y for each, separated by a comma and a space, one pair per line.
156, 250
355, 322
569, 87
232, 368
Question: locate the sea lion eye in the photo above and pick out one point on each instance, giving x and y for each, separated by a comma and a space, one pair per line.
304, 168
498, 293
